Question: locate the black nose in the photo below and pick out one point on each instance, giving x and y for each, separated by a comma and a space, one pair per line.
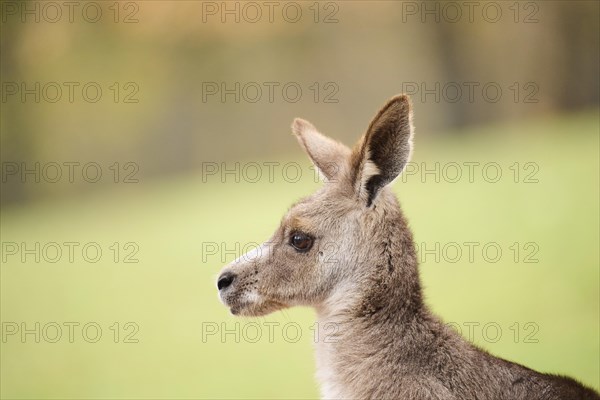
225, 280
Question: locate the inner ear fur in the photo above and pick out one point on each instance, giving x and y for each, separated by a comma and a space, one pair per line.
382, 153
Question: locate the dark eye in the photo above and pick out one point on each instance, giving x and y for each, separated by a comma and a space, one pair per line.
301, 241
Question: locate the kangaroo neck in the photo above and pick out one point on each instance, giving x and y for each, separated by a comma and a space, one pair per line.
389, 292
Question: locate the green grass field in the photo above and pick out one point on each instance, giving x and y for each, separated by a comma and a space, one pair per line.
544, 314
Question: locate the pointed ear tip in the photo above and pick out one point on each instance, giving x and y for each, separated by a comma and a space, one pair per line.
403, 99
300, 125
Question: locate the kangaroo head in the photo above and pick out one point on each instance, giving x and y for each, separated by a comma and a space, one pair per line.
329, 242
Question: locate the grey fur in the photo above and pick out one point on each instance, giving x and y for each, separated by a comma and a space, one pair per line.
361, 275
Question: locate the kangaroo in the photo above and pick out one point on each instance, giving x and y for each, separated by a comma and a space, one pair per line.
347, 251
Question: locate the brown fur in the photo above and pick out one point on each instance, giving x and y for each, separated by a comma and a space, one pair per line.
361, 275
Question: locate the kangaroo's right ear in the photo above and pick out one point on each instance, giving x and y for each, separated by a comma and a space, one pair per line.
328, 156
382, 153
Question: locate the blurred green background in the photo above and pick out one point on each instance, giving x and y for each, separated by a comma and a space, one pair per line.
166, 223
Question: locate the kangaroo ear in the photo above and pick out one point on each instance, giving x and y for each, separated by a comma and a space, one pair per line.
328, 156
382, 153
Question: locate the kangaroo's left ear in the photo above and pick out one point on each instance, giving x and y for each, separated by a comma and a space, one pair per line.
382, 153
328, 156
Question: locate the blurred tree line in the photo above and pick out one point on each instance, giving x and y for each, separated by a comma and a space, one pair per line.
158, 74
